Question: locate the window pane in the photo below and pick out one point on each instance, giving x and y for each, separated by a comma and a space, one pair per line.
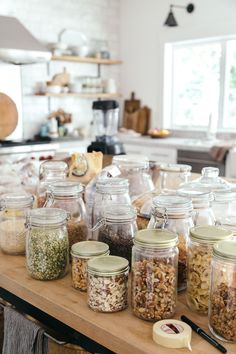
196, 84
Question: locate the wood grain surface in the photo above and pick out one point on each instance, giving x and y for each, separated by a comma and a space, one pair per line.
8, 116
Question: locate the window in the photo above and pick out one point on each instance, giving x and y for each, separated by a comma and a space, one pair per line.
200, 82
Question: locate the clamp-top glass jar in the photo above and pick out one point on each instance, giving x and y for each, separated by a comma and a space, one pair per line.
154, 274
199, 257
174, 213
222, 311
67, 195
47, 247
50, 171
172, 176
13, 210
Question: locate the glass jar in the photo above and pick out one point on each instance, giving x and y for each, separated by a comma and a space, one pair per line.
49, 171
67, 195
47, 246
13, 210
199, 257
117, 230
172, 176
222, 311
136, 169
81, 252
154, 274
108, 283
224, 205
174, 213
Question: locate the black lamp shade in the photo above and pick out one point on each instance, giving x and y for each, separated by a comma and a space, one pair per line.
171, 21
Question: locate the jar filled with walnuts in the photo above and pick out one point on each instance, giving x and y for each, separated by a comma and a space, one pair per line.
154, 274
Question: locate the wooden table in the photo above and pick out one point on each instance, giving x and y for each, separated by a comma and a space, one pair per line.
120, 332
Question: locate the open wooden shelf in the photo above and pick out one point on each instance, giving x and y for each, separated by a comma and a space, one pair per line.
82, 95
76, 59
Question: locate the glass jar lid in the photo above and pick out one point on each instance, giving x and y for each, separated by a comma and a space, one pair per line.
172, 205
53, 166
16, 200
225, 196
65, 188
86, 249
108, 265
225, 250
175, 167
209, 233
155, 238
131, 161
121, 213
112, 185
47, 217
198, 195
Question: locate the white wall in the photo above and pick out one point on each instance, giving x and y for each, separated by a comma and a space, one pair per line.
143, 37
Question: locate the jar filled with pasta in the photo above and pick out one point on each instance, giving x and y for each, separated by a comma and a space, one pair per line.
199, 257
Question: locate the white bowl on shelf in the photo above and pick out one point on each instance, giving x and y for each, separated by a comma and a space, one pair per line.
53, 89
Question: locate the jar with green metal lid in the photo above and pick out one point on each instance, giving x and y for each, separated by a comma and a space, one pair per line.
81, 252
154, 274
108, 283
199, 257
222, 305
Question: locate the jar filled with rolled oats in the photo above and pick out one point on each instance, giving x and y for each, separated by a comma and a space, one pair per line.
222, 306
81, 252
174, 213
199, 257
154, 274
108, 283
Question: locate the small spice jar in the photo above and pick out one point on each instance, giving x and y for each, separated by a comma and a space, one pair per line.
13, 209
154, 274
108, 283
47, 245
81, 252
199, 257
172, 176
222, 308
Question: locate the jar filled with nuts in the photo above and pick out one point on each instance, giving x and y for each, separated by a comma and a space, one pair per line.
13, 210
47, 246
108, 283
199, 257
174, 213
154, 274
222, 308
67, 195
81, 252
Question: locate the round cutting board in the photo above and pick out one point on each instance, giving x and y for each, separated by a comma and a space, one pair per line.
8, 115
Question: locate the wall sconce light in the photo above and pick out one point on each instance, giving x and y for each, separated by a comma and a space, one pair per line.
171, 21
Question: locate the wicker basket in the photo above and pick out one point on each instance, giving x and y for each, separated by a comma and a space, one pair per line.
68, 348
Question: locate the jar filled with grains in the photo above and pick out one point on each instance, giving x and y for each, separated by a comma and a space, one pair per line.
199, 257
67, 195
47, 245
222, 307
81, 252
154, 274
13, 209
174, 213
108, 283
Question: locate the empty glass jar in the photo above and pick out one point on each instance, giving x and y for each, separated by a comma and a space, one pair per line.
224, 205
172, 176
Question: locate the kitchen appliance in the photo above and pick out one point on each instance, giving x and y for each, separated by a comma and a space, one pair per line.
105, 119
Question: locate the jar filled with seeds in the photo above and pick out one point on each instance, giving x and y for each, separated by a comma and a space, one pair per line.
172, 176
108, 283
174, 213
117, 230
49, 171
154, 274
81, 252
13, 210
67, 195
199, 257
47, 246
222, 307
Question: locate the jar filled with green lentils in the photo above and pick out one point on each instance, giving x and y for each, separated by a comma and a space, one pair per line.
47, 246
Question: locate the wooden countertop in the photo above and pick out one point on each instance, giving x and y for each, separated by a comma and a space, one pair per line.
120, 332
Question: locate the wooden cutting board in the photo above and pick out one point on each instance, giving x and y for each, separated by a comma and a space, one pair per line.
8, 115
132, 105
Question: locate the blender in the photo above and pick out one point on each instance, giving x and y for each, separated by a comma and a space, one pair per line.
105, 120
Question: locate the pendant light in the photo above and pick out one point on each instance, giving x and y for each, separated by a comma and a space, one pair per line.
171, 21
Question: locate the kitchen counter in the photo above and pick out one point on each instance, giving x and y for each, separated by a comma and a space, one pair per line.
120, 332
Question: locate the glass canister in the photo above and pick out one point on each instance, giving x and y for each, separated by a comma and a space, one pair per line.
49, 171
13, 210
224, 205
222, 311
199, 257
117, 230
154, 274
174, 213
108, 283
136, 169
81, 252
47, 246
67, 195
172, 176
